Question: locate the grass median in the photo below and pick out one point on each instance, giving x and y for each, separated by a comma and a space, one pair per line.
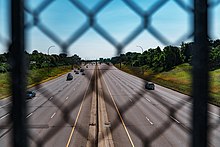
179, 79
34, 77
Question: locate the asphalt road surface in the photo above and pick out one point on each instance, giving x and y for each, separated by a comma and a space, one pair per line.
59, 115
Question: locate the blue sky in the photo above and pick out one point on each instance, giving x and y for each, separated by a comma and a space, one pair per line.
63, 19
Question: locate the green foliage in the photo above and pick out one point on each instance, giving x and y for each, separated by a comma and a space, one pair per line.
39, 60
38, 64
38, 75
214, 57
4, 84
154, 59
34, 77
165, 59
179, 79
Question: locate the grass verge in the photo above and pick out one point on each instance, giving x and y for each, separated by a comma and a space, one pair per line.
179, 79
34, 77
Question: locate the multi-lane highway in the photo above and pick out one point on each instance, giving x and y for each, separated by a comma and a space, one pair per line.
58, 115
63, 113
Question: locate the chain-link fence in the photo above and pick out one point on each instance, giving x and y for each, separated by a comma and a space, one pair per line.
198, 31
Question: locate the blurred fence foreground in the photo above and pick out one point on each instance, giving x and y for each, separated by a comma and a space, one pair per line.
17, 60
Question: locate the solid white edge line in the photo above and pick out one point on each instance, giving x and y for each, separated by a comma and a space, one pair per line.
214, 114
4, 116
5, 105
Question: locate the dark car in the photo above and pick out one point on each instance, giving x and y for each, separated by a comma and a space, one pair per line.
30, 94
149, 85
69, 77
81, 70
83, 73
77, 72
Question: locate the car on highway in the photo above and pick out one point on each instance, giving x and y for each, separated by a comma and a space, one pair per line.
81, 70
83, 73
150, 86
77, 72
30, 94
69, 77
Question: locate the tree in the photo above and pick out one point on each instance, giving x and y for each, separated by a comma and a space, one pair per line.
3, 58
214, 57
186, 51
172, 57
35, 52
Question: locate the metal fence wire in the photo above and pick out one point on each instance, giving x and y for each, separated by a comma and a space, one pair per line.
199, 32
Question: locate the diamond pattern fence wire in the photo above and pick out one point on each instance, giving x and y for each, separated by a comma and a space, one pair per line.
18, 87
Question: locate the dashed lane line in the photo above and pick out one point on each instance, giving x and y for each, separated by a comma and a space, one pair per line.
77, 117
53, 115
29, 115
149, 120
174, 119
123, 123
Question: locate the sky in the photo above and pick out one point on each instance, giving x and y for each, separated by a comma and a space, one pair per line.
63, 19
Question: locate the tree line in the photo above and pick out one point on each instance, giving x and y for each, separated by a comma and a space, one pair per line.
165, 59
37, 60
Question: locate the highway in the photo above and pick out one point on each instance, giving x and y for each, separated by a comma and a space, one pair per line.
58, 115
61, 113
160, 117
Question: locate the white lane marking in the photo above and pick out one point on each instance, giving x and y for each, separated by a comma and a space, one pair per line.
122, 121
34, 98
4, 116
77, 117
67, 98
189, 103
29, 115
53, 115
214, 114
174, 119
5, 105
148, 100
149, 120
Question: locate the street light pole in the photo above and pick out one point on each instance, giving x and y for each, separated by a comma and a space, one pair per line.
142, 53
141, 48
48, 56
